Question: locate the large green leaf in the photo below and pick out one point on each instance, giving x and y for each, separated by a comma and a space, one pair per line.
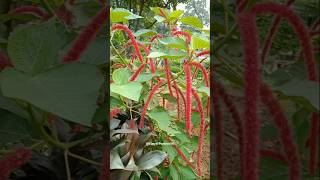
151, 159
130, 90
121, 76
174, 173
69, 91
122, 15
198, 42
192, 21
172, 42
302, 88
13, 128
168, 54
33, 48
115, 160
163, 120
145, 32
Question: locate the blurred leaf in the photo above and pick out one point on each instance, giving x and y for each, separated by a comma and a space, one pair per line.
14, 128
174, 173
115, 160
302, 88
173, 42
69, 91
33, 48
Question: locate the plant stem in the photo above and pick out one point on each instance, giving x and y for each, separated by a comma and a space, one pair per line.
83, 159
67, 164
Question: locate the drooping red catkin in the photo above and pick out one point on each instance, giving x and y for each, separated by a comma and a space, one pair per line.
274, 155
114, 112
203, 70
33, 10
181, 153
4, 61
178, 99
146, 105
271, 34
251, 141
241, 4
202, 53
181, 93
65, 16
105, 164
155, 178
187, 71
131, 36
306, 46
231, 106
152, 66
218, 131
137, 72
13, 161
286, 134
202, 131
168, 75
183, 33
85, 37
297, 24
154, 38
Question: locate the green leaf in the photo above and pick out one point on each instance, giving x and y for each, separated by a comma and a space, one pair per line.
131, 90
144, 77
204, 89
33, 48
122, 15
187, 172
121, 76
273, 169
163, 120
13, 128
159, 18
69, 91
145, 32
169, 54
198, 42
172, 42
151, 159
174, 173
174, 15
306, 89
95, 53
192, 21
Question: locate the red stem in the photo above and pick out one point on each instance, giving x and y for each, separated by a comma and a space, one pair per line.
85, 37
203, 70
178, 98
